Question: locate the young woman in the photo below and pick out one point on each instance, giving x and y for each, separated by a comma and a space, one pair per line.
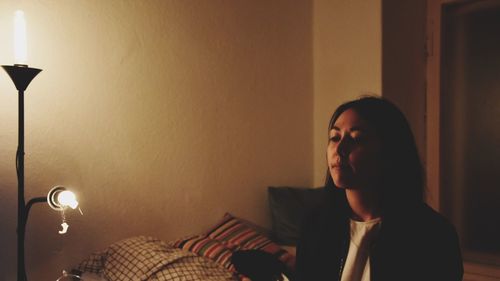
375, 225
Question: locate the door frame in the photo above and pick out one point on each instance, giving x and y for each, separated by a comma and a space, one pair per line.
473, 270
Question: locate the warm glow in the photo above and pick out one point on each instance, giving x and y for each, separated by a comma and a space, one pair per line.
67, 198
20, 42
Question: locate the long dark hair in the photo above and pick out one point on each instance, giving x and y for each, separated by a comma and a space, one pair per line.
402, 173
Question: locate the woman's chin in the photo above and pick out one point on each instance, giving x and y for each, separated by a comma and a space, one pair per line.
343, 178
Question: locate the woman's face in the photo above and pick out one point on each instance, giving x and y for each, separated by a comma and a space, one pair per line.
354, 152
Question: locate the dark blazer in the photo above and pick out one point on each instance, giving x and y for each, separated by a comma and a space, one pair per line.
415, 244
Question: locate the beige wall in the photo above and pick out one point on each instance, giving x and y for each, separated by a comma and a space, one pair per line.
347, 62
162, 115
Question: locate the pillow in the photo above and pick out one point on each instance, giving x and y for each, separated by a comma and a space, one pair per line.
289, 206
207, 247
229, 235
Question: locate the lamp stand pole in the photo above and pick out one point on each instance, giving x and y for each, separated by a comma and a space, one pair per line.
21, 75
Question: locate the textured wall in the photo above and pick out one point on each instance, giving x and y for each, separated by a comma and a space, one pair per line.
161, 115
347, 62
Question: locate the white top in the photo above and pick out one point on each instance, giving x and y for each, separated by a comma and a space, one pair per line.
357, 264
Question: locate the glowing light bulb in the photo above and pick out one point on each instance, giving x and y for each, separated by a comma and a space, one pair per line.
20, 41
67, 198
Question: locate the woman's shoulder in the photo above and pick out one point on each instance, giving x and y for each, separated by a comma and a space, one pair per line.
419, 221
428, 223
426, 239
437, 242
428, 215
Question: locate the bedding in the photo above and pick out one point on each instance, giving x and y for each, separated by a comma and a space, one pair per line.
88, 276
147, 258
209, 255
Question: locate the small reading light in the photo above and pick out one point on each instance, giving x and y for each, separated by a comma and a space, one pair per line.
59, 198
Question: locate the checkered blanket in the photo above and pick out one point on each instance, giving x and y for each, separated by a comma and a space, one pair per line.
148, 259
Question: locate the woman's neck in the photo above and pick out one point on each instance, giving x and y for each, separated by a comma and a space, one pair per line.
364, 204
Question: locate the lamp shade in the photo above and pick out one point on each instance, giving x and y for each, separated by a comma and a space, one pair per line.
59, 198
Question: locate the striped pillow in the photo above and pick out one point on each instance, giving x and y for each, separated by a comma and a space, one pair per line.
229, 235
238, 235
209, 248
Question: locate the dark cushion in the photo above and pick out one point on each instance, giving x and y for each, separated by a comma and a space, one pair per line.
289, 205
258, 265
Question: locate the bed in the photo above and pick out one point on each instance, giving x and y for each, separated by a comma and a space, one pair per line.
232, 249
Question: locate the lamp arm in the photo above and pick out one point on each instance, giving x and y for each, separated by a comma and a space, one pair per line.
32, 202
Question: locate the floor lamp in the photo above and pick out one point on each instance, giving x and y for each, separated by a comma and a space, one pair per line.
58, 197
22, 75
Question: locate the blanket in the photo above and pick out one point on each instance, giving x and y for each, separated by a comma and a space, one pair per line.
145, 258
